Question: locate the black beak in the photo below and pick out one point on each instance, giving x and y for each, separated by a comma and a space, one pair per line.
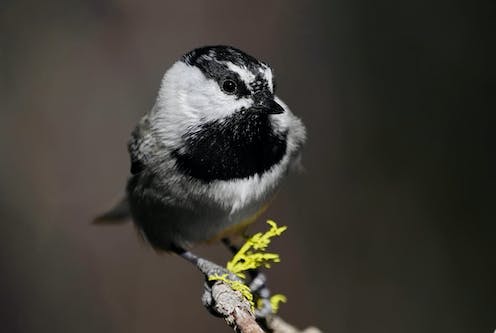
269, 106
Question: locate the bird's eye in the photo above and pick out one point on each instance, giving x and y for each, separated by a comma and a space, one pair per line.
229, 86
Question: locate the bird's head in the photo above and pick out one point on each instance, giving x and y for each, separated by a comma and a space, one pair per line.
218, 112
214, 82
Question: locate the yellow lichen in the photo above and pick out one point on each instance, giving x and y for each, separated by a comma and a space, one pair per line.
253, 255
235, 285
275, 300
247, 258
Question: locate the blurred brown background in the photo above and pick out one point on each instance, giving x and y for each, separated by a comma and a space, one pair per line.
391, 227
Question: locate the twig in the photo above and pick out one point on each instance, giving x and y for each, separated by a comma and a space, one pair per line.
221, 300
234, 308
277, 325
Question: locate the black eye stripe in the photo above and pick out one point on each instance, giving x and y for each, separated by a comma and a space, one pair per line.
220, 72
241, 88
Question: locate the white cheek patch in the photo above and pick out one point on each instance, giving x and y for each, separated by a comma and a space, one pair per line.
187, 95
208, 101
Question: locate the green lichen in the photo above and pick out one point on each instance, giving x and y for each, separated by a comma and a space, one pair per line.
253, 255
235, 285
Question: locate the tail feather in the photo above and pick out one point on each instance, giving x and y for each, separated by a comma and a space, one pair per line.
118, 214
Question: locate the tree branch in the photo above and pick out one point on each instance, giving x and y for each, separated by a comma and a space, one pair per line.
221, 300
234, 308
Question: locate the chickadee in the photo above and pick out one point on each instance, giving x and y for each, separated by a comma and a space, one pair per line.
209, 156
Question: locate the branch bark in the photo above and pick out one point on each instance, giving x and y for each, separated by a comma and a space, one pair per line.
236, 311
222, 301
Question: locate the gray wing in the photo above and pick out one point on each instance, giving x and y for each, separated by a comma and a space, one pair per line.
140, 146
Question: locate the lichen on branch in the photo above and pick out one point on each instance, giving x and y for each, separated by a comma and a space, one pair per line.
252, 255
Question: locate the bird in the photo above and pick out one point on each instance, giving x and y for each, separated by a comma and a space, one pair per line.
209, 156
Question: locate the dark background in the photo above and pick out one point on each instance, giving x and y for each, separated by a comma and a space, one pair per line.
391, 227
